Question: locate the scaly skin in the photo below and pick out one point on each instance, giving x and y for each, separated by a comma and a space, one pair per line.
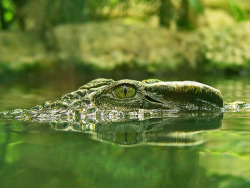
109, 99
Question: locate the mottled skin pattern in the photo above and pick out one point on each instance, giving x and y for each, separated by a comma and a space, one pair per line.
115, 99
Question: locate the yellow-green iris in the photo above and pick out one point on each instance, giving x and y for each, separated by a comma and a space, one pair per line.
124, 91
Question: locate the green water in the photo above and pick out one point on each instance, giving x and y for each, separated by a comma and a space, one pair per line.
39, 155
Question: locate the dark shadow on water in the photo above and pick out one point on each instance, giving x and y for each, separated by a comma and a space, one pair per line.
165, 131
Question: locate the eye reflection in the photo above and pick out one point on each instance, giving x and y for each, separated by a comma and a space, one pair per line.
124, 91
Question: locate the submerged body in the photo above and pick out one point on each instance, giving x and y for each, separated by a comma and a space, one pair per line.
106, 98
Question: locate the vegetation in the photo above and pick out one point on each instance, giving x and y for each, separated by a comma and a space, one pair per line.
64, 11
158, 35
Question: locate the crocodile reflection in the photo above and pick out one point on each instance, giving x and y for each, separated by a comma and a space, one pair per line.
165, 131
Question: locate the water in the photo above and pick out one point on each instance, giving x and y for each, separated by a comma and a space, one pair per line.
153, 153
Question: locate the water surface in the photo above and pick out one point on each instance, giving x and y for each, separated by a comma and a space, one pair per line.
212, 151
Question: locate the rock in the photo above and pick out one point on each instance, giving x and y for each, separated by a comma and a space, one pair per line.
108, 45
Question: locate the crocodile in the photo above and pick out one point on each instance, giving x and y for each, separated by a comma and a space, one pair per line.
129, 112
108, 99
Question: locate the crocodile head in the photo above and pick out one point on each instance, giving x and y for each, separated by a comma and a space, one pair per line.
104, 97
129, 95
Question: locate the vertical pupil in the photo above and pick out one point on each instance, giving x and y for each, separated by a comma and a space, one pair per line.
125, 89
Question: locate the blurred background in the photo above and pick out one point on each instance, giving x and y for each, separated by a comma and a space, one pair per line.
68, 41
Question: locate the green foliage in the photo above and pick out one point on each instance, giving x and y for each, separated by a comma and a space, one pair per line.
9, 7
7, 11
65, 11
238, 12
196, 4
113, 2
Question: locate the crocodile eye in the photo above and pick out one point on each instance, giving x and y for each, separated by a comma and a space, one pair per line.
124, 91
